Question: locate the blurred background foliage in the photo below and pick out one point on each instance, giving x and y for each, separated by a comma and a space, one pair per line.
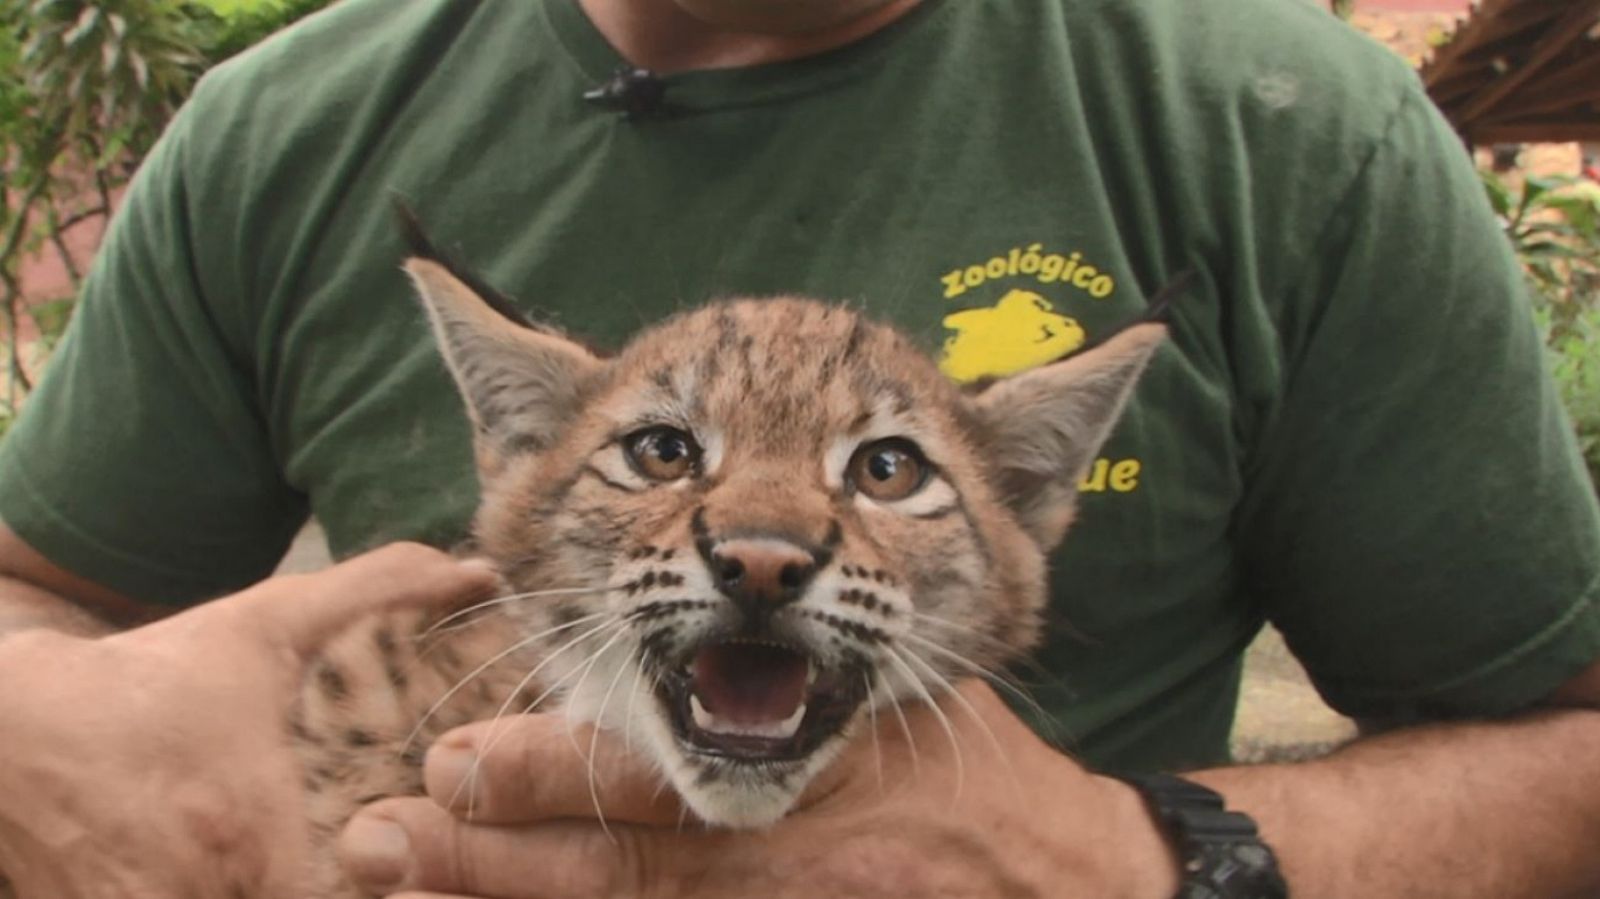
86, 87
1553, 223
90, 84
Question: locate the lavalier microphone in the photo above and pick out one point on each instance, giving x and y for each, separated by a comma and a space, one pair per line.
636, 93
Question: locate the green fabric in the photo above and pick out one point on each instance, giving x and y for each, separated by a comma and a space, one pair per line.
1349, 434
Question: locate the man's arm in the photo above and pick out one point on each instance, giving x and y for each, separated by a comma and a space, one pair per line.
35, 592
1492, 809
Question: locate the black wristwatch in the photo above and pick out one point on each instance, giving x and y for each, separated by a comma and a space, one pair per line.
1221, 852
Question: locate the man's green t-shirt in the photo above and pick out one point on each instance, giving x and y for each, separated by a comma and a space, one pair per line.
1349, 434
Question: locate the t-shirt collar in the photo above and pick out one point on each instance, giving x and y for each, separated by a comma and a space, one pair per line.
711, 90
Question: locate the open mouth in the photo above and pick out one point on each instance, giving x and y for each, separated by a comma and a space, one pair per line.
757, 701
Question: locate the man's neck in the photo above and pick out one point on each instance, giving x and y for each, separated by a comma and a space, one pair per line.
663, 36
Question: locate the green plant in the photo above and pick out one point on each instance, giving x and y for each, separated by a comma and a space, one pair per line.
106, 75
88, 87
1553, 223
235, 25
1575, 362
96, 82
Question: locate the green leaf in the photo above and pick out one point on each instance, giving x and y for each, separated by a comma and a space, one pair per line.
87, 22
1537, 186
1499, 192
1552, 249
1581, 210
51, 318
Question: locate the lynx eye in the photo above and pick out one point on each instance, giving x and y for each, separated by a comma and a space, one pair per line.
662, 453
888, 470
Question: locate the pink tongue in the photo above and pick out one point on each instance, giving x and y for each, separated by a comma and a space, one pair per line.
749, 684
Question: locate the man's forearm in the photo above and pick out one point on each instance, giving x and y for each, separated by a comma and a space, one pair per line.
24, 606
1503, 809
35, 592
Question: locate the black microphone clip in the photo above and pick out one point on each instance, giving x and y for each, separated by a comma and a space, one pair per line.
634, 92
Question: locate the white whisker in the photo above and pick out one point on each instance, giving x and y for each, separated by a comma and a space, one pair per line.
593, 660
944, 721
524, 643
594, 746
905, 729
494, 736
994, 643
627, 714
993, 677
502, 600
944, 683
991, 641
872, 715
954, 625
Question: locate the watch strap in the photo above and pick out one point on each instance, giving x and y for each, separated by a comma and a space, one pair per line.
1220, 852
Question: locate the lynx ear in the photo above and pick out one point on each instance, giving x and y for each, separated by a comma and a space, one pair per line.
1044, 426
522, 384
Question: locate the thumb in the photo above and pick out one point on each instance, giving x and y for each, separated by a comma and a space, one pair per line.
406, 844
526, 768
304, 610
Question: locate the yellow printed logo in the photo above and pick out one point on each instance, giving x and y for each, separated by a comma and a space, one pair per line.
1033, 264
1020, 332
1023, 330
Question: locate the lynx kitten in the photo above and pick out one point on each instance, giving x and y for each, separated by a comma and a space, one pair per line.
736, 540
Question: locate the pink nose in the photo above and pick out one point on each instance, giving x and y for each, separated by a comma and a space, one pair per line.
761, 571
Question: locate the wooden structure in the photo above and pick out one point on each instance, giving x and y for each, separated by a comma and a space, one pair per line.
1521, 71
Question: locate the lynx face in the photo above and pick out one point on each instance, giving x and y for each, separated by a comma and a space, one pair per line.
777, 519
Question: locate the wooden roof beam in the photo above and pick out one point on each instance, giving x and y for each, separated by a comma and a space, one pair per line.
1577, 111
1449, 94
1563, 34
1501, 42
1528, 14
1464, 39
1573, 84
1539, 132
1484, 43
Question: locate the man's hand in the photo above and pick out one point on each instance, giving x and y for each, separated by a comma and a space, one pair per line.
893, 817
154, 762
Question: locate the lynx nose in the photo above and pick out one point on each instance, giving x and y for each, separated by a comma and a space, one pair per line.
761, 574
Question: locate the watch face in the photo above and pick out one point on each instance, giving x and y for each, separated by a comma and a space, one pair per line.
1242, 870
1253, 856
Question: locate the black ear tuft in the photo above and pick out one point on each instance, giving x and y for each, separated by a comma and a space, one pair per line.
1156, 312
411, 230
418, 245
1159, 309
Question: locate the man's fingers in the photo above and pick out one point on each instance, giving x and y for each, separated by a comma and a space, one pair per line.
529, 768
306, 609
403, 845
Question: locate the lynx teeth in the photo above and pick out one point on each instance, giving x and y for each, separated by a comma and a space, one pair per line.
771, 730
